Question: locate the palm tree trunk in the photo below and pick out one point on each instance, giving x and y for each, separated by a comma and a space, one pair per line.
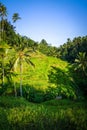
3, 73
15, 90
2, 29
21, 79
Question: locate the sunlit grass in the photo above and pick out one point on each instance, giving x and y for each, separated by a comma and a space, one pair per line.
38, 76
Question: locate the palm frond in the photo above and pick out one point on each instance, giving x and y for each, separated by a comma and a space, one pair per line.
29, 62
27, 55
13, 63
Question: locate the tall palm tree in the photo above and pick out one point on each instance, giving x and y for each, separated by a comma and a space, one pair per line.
3, 14
3, 46
22, 54
15, 17
3, 54
81, 62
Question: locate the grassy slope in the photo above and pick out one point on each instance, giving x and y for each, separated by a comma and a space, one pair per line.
38, 76
48, 72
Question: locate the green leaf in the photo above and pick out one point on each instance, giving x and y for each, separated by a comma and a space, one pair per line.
29, 62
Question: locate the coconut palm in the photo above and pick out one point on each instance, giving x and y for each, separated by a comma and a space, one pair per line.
3, 14
22, 54
81, 62
3, 54
15, 17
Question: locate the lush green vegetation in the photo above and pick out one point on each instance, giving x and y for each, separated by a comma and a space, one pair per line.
17, 114
49, 78
34, 76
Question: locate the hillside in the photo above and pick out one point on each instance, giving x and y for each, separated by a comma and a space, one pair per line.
50, 76
38, 76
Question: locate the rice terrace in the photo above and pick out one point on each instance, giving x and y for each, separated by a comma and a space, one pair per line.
43, 83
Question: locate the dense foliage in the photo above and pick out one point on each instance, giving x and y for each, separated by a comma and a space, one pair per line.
70, 49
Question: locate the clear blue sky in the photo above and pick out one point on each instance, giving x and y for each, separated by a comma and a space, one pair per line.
52, 20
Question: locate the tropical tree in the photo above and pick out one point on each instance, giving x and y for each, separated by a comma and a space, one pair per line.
15, 17
81, 63
3, 45
9, 33
22, 54
3, 55
3, 14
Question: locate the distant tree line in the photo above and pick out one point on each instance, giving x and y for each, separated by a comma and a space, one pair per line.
70, 49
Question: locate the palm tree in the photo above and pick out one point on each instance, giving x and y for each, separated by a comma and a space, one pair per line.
22, 54
15, 17
3, 45
3, 14
3, 55
81, 62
